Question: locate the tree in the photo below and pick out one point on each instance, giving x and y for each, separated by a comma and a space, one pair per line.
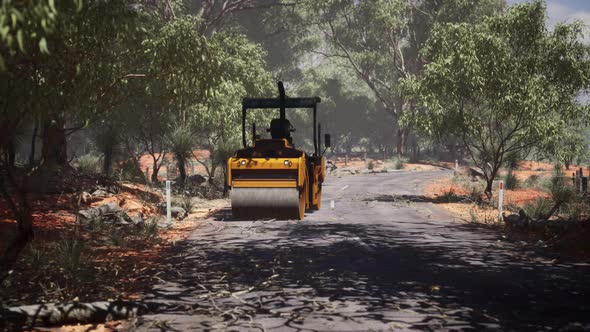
385, 51
502, 86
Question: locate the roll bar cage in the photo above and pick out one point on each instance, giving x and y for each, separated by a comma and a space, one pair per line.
282, 103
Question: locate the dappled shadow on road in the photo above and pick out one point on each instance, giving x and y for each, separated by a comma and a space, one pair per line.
417, 199
333, 276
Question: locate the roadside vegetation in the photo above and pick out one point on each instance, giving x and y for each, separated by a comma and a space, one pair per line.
101, 102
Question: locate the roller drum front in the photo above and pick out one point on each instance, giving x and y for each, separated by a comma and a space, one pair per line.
255, 203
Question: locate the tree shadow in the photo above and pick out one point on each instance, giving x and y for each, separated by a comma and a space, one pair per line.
308, 277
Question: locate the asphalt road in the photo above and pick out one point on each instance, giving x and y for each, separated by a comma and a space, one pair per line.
373, 262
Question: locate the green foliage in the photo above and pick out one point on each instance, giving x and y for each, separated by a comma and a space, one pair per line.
150, 228
559, 188
473, 216
449, 196
70, 256
576, 210
89, 164
186, 203
503, 85
538, 208
116, 238
532, 181
511, 181
399, 162
371, 165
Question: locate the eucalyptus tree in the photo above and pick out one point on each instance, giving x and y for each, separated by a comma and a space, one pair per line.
380, 40
502, 85
199, 82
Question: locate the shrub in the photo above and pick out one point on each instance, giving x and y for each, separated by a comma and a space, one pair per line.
150, 227
34, 255
370, 165
511, 181
69, 256
186, 203
538, 209
96, 223
473, 215
575, 211
116, 238
475, 192
89, 164
449, 196
398, 162
561, 191
533, 180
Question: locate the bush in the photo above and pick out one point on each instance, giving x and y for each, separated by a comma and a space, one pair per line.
69, 257
538, 209
89, 164
449, 196
370, 165
116, 238
533, 180
475, 191
511, 181
575, 211
399, 162
186, 203
150, 228
473, 215
561, 191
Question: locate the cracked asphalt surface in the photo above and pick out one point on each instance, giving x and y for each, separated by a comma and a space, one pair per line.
371, 263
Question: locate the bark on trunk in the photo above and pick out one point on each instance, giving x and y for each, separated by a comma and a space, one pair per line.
401, 142
11, 151
108, 160
33, 146
23, 215
55, 148
181, 168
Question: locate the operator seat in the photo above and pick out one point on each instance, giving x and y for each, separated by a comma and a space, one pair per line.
277, 133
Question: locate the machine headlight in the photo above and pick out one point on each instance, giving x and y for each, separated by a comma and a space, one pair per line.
288, 163
242, 162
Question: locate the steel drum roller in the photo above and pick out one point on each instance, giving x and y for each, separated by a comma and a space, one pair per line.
265, 203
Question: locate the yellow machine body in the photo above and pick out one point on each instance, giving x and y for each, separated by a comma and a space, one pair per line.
271, 179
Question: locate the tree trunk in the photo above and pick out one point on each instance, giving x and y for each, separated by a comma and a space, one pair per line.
33, 146
489, 188
155, 171
490, 182
55, 148
225, 187
11, 153
401, 142
181, 167
24, 217
567, 164
108, 159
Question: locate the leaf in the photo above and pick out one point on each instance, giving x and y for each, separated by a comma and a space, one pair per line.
20, 40
43, 46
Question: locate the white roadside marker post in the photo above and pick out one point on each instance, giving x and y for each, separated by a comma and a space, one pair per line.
456, 166
500, 199
168, 204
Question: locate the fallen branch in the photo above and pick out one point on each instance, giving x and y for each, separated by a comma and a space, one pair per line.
73, 313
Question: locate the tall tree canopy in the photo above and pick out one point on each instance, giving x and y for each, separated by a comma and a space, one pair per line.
504, 85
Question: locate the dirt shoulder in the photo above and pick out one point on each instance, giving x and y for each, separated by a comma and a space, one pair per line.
114, 255
457, 195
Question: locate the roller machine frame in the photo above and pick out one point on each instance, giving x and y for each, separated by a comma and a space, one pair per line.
271, 178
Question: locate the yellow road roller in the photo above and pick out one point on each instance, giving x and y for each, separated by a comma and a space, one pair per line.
271, 178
